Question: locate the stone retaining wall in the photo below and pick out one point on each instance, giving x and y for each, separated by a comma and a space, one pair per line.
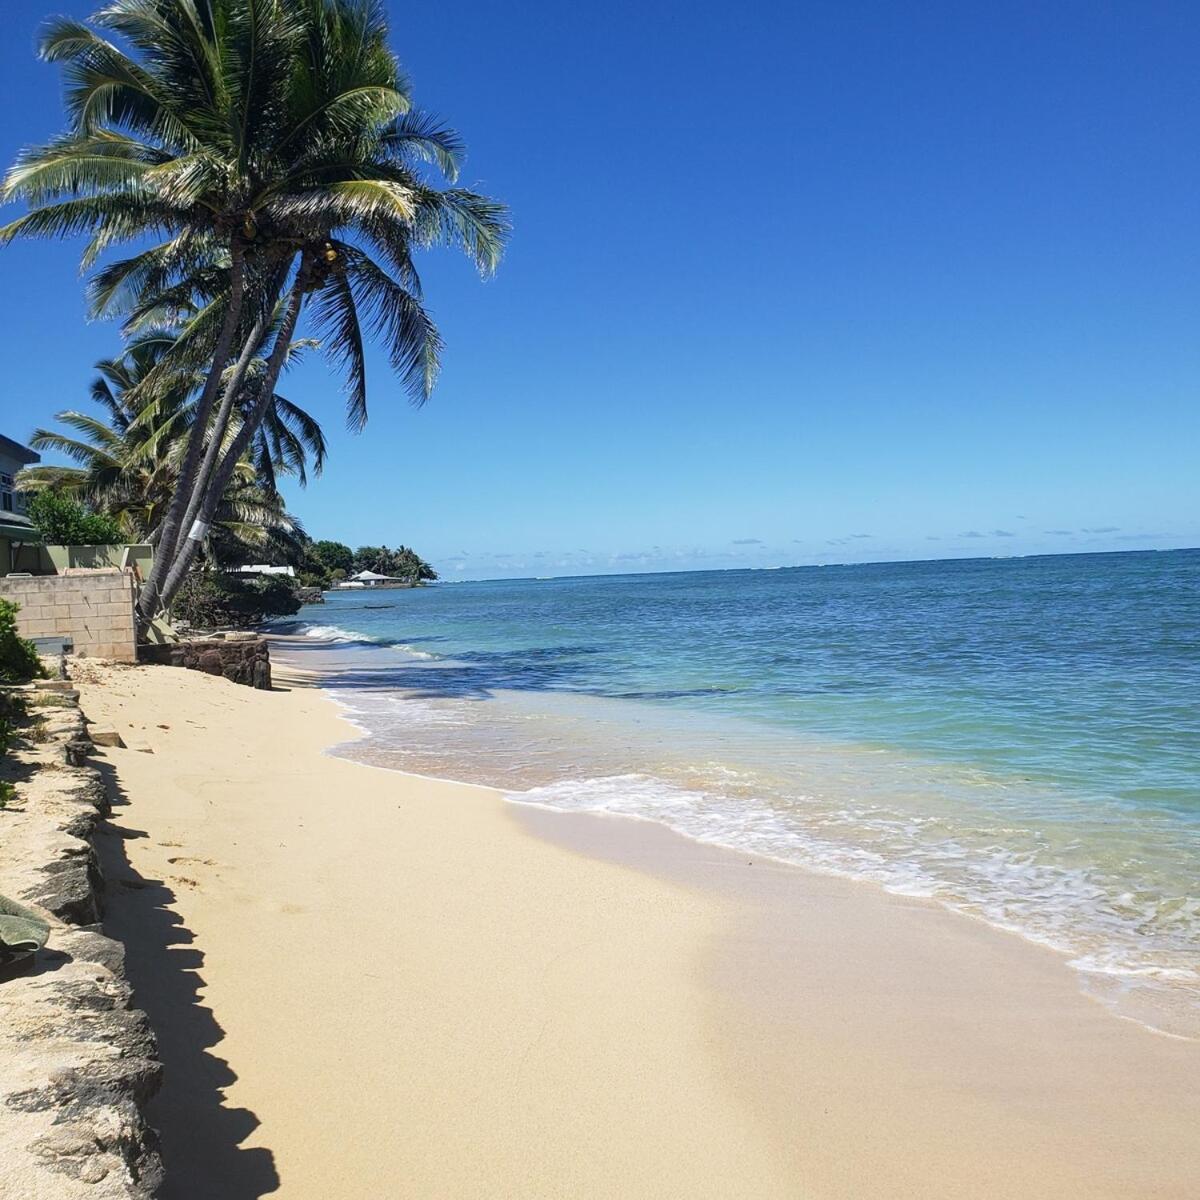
78, 1063
94, 608
243, 657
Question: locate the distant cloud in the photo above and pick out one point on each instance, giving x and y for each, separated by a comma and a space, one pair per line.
932, 537
842, 541
797, 541
971, 533
1060, 532
856, 536
747, 542
1102, 529
1002, 533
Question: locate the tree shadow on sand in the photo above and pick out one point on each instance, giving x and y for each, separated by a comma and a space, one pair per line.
201, 1136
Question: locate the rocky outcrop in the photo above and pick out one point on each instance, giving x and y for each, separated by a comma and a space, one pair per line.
243, 657
78, 1062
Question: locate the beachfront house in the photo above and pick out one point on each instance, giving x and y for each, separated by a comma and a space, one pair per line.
19, 541
369, 579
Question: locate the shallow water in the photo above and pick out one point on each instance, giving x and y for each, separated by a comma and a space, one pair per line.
1019, 738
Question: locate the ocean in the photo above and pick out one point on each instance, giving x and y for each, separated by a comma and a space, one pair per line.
1017, 738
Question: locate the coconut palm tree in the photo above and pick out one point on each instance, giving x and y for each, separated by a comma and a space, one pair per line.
270, 150
149, 155
127, 466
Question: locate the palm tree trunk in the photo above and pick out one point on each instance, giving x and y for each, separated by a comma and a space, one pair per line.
216, 438
148, 601
221, 476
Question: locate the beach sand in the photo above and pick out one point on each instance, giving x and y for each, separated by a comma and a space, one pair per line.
372, 985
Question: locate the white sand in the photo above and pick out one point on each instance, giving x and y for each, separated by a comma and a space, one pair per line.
370, 985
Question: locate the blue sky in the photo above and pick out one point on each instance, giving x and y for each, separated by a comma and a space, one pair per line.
789, 283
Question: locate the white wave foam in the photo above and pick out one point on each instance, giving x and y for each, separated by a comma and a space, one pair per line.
413, 652
391, 710
342, 636
334, 633
1042, 902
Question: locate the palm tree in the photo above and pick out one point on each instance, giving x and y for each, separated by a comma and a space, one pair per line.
121, 471
127, 466
270, 149
150, 154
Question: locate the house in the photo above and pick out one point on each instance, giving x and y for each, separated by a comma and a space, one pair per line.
19, 541
367, 579
264, 569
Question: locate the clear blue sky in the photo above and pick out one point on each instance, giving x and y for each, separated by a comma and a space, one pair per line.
789, 283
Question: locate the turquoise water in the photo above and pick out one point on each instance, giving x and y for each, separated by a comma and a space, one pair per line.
1017, 738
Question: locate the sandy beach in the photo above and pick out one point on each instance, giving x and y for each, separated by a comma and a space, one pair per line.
369, 984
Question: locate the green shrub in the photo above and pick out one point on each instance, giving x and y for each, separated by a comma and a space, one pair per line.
8, 793
19, 660
212, 600
333, 556
64, 522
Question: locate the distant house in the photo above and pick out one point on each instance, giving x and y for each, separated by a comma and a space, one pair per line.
367, 579
19, 541
264, 569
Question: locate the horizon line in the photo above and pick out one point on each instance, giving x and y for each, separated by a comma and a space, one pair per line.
874, 562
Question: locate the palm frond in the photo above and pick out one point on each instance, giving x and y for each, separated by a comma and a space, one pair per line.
335, 313
417, 136
400, 321
474, 223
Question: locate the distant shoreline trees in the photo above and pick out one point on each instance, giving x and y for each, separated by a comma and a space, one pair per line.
329, 562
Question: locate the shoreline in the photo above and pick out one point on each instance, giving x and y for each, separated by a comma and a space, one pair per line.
767, 1028
1168, 1012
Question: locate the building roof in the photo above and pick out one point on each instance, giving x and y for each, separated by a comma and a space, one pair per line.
371, 575
18, 528
15, 450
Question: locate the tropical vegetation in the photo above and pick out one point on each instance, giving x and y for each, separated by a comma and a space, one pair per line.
327, 562
264, 163
214, 600
19, 660
62, 521
127, 464
332, 556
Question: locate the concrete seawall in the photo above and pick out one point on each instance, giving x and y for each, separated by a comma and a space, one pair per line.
94, 608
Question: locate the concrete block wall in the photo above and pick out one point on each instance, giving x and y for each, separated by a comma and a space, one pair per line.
93, 608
